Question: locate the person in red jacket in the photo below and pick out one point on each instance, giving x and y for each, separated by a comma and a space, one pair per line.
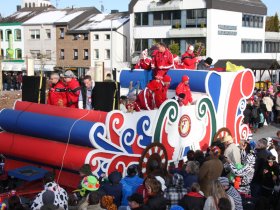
161, 93
73, 89
178, 64
148, 98
184, 89
189, 59
144, 61
57, 92
162, 60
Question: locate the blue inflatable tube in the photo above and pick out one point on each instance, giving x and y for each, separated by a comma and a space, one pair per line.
46, 126
197, 78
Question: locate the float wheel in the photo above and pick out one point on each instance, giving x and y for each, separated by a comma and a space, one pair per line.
222, 132
155, 151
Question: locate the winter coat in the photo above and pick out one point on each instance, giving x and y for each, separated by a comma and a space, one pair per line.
129, 186
156, 202
232, 152
268, 172
185, 89
192, 201
61, 197
231, 191
268, 102
57, 95
247, 114
210, 203
162, 62
201, 66
189, 60
208, 172
261, 157
73, 92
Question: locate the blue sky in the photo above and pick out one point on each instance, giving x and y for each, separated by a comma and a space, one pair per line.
7, 7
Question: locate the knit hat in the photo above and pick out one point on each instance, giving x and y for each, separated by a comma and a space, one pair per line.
69, 74
90, 183
224, 181
166, 78
48, 197
162, 182
191, 48
136, 198
85, 169
208, 61
185, 78
228, 139
115, 177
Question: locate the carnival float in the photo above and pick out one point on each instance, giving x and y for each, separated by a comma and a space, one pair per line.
63, 139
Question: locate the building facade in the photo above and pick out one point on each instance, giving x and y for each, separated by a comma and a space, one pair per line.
35, 3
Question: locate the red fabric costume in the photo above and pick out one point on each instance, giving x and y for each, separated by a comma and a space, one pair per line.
185, 89
73, 92
189, 59
133, 106
177, 62
143, 64
162, 62
57, 95
161, 95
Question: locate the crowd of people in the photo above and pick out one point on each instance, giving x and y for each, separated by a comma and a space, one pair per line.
12, 80
263, 108
226, 177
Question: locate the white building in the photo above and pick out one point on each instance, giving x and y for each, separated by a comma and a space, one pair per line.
35, 3
109, 35
229, 29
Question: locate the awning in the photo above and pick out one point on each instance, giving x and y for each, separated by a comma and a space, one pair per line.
10, 66
254, 64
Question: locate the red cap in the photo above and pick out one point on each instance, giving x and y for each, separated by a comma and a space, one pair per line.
185, 78
166, 78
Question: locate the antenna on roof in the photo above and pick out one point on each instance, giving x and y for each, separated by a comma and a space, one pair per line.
102, 6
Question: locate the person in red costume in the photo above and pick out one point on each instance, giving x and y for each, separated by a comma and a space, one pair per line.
189, 59
144, 61
161, 94
178, 64
148, 98
184, 88
162, 60
57, 92
73, 89
132, 106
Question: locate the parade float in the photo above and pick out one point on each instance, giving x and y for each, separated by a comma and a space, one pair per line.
63, 139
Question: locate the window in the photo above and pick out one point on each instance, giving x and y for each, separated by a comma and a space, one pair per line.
61, 33
157, 18
107, 54
33, 4
253, 21
85, 54
26, 5
35, 54
145, 19
251, 46
96, 37
140, 45
8, 33
1, 35
176, 19
17, 35
75, 56
48, 33
191, 19
166, 18
35, 34
85, 36
96, 54
18, 54
61, 54
272, 47
76, 37
48, 54
107, 36
29, 4
137, 19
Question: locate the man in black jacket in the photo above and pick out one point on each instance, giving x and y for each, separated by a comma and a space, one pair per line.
85, 100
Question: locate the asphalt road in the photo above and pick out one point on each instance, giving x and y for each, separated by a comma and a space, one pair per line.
266, 131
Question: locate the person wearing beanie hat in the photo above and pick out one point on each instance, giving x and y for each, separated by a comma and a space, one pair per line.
72, 89
189, 59
130, 183
232, 152
210, 170
231, 191
205, 64
184, 88
113, 187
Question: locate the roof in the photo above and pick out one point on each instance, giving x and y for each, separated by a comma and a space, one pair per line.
105, 21
23, 15
48, 17
244, 6
254, 64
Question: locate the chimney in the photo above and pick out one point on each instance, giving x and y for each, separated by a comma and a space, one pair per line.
18, 8
113, 11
